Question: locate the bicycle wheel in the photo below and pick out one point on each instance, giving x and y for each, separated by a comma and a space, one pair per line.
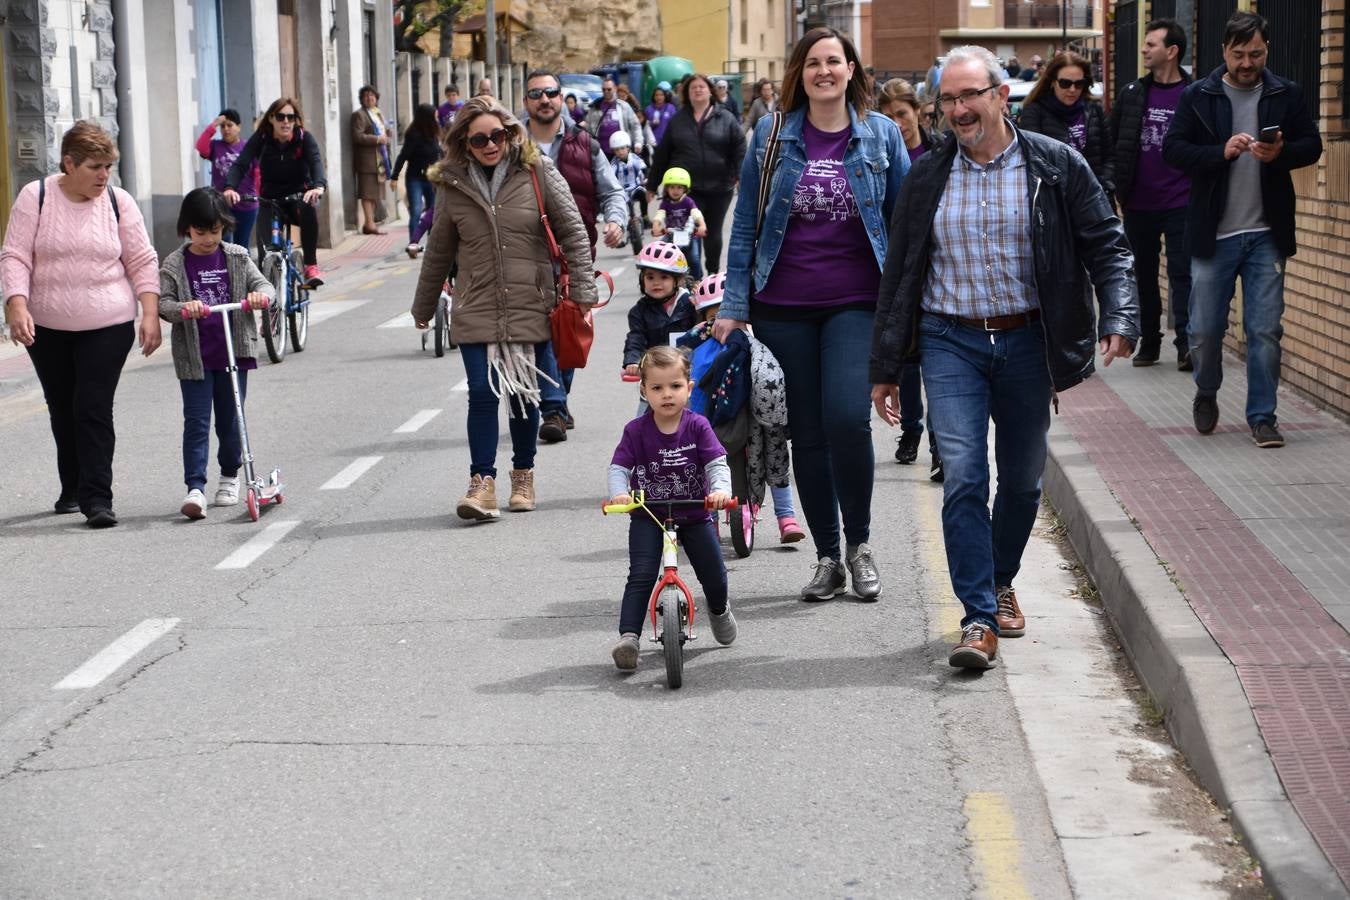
672, 636
741, 523
299, 322
442, 327
273, 317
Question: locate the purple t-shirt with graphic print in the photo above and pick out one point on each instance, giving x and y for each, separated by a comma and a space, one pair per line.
669, 466
826, 258
223, 156
1158, 186
1078, 132
210, 281
677, 211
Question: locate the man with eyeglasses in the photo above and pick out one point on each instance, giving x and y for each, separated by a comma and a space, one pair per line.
610, 114
1238, 134
594, 188
1140, 118
996, 239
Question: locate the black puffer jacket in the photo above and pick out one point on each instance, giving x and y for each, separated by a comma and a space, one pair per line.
1127, 122
1038, 117
712, 151
649, 326
1076, 240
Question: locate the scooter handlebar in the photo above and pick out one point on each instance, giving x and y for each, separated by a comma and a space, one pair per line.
630, 377
243, 304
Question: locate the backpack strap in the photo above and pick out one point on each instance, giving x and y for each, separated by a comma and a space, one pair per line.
42, 198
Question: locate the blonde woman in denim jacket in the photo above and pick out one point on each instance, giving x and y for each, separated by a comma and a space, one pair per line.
808, 284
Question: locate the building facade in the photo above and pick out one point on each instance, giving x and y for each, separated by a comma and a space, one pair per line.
748, 37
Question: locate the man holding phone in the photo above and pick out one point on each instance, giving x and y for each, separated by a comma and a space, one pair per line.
1238, 134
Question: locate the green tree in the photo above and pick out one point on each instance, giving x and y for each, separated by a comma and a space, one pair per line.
414, 18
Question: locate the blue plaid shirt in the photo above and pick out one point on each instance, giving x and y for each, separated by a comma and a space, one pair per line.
981, 261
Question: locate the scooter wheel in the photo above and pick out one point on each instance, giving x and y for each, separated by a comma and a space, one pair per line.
279, 497
251, 501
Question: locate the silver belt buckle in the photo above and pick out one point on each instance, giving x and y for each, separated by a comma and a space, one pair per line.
987, 329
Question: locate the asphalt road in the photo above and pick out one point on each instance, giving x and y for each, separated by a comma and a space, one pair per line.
361, 695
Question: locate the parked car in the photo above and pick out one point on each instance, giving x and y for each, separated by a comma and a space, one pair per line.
585, 87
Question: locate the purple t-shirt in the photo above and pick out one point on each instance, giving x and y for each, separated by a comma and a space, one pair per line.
826, 258
210, 281
446, 112
658, 117
1158, 186
611, 120
1078, 132
677, 211
223, 156
669, 466
916, 152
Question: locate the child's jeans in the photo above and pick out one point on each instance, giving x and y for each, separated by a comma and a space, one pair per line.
243, 227
782, 501
198, 399
421, 198
693, 252
699, 544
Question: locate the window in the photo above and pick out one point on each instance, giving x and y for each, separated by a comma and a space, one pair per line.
1296, 46
1126, 33
1210, 16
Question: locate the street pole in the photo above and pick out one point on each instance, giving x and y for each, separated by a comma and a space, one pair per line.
490, 35
1063, 24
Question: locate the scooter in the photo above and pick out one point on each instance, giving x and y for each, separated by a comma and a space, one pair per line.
260, 492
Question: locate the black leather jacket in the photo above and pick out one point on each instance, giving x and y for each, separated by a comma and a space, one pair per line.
1077, 240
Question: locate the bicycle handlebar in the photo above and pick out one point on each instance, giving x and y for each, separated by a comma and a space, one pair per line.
640, 500
289, 198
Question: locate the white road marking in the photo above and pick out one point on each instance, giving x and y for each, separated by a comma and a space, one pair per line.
257, 545
115, 655
327, 309
616, 272
463, 386
402, 320
347, 477
417, 421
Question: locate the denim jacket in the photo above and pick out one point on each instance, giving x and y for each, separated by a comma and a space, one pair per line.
875, 163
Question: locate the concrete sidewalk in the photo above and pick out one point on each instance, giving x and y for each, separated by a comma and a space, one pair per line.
1226, 572
16, 370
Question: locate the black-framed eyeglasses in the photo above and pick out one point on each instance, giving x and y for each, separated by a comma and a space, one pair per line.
965, 98
285, 117
480, 140
536, 93
1068, 84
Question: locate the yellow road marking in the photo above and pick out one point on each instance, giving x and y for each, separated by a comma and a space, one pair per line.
371, 285
948, 610
997, 849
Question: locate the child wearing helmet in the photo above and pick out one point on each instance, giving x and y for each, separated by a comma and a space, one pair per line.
631, 173
664, 309
677, 214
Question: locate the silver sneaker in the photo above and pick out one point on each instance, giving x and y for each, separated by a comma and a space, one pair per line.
227, 491
625, 653
863, 573
723, 627
827, 583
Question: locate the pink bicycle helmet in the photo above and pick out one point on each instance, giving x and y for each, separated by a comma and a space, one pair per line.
709, 291
663, 257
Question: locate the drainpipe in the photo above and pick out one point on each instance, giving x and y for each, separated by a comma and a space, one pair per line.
133, 122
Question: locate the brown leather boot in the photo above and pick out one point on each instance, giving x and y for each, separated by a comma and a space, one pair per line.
522, 490
480, 502
1011, 622
978, 647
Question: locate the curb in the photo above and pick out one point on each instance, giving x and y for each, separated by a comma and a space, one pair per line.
1207, 711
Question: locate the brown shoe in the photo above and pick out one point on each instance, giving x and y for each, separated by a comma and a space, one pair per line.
554, 429
480, 503
522, 490
978, 647
1011, 622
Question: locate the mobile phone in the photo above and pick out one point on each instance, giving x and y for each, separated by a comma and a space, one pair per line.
1269, 133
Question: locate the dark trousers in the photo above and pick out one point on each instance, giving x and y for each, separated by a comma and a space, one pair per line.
79, 371
714, 207
301, 214
199, 398
699, 543
243, 226
1144, 229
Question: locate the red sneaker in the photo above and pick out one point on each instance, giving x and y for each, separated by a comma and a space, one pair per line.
312, 278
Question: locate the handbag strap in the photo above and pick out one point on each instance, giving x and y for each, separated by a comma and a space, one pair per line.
766, 170
564, 279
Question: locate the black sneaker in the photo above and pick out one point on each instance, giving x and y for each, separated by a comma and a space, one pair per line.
66, 505
1184, 363
1146, 356
935, 473
102, 517
1267, 436
554, 429
827, 583
907, 449
1205, 411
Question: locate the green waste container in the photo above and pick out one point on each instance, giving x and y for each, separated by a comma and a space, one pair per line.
663, 68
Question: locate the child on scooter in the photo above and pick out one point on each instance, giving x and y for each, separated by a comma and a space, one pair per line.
671, 453
707, 301
631, 173
664, 309
676, 212
205, 272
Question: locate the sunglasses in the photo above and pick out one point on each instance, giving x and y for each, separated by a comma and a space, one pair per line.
480, 140
1066, 84
536, 93
285, 117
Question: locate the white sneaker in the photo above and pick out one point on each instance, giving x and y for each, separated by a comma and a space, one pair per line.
194, 506
227, 492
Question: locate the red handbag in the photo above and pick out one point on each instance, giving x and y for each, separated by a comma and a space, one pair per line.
573, 329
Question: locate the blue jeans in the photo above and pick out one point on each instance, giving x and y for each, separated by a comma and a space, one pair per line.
693, 254
199, 397
911, 399
782, 502
971, 377
1144, 229
421, 196
243, 226
553, 398
482, 417
829, 415
1254, 257
697, 541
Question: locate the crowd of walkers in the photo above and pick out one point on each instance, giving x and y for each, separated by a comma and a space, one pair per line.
945, 278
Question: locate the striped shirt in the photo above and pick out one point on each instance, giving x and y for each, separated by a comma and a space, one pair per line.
982, 256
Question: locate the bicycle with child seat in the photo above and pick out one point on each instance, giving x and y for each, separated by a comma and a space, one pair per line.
671, 607
282, 264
